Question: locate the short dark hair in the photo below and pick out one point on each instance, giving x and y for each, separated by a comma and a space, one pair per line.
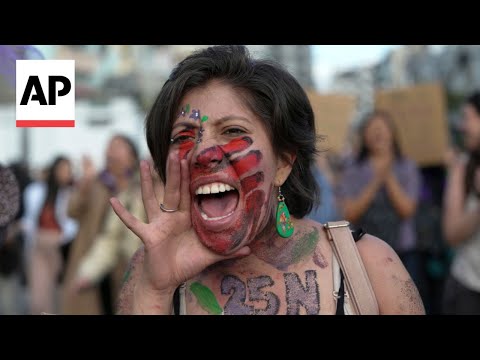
52, 182
270, 92
364, 152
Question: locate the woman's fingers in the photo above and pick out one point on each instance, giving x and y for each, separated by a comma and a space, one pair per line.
128, 219
150, 201
185, 197
171, 197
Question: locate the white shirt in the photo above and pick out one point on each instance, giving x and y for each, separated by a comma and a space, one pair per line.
466, 264
34, 198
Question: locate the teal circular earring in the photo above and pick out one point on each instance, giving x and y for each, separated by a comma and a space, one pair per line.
284, 222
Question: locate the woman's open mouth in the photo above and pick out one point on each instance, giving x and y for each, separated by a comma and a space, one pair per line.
216, 202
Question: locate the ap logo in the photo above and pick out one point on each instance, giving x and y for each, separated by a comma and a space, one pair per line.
45, 93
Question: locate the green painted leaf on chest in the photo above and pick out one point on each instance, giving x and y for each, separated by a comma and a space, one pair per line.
305, 245
206, 298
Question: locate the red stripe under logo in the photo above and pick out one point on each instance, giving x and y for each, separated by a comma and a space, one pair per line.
45, 123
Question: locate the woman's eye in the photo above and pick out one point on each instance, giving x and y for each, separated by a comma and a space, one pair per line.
182, 138
234, 131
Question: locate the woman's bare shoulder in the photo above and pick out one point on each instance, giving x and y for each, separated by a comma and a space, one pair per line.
394, 288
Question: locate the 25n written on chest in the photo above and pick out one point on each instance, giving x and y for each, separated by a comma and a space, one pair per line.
255, 295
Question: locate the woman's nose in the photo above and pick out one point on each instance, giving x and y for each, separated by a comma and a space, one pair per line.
209, 157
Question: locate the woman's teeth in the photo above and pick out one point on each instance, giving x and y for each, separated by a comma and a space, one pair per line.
205, 216
213, 188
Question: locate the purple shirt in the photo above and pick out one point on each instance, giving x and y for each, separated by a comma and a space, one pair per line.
356, 177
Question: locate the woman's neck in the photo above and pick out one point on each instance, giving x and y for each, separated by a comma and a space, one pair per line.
121, 182
279, 252
382, 155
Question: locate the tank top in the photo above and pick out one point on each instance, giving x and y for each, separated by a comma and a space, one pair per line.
47, 219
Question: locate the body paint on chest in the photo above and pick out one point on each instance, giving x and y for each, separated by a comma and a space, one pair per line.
255, 291
290, 251
236, 304
206, 298
305, 246
299, 296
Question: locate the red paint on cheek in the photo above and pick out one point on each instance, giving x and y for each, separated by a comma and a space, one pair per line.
251, 182
246, 226
221, 244
211, 160
185, 148
237, 145
246, 163
198, 171
253, 206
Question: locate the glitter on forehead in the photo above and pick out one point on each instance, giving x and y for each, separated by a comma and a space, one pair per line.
195, 114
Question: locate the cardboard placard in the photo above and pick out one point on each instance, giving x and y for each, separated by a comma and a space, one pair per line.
333, 115
420, 115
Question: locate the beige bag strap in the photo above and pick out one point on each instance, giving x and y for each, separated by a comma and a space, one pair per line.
357, 283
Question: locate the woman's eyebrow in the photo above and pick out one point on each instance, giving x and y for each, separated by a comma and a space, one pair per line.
188, 125
232, 117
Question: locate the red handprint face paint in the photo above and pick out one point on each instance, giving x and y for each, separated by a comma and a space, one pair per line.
228, 195
185, 142
232, 169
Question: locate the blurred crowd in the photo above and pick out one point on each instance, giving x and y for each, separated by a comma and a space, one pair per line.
64, 251
64, 246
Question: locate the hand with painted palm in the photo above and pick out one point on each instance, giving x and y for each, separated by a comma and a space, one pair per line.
172, 251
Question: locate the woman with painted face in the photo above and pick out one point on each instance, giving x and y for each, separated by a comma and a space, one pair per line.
379, 188
233, 139
461, 218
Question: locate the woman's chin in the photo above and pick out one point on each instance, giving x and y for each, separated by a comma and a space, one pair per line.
220, 243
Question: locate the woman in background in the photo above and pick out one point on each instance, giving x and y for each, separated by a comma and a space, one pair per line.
89, 205
47, 227
461, 218
9, 209
378, 190
115, 244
